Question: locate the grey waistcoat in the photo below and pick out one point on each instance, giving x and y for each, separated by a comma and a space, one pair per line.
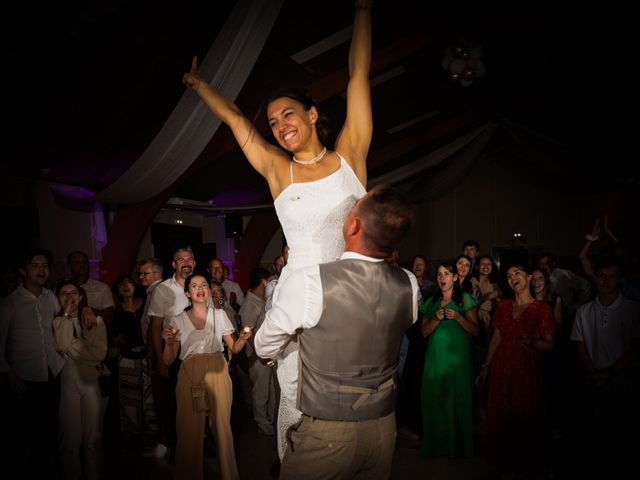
348, 361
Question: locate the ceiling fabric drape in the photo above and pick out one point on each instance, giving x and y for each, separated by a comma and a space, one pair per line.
191, 125
437, 173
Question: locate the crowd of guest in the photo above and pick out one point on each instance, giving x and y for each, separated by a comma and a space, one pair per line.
549, 348
508, 361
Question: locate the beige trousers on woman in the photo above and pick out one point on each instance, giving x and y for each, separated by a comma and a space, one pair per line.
212, 370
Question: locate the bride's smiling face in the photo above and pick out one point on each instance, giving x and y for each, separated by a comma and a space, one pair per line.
291, 124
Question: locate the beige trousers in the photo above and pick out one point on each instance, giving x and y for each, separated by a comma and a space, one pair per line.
213, 370
326, 449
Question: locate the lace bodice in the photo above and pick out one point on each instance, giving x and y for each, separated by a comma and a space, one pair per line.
312, 214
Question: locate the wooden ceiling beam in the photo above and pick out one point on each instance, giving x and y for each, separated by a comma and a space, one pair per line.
425, 134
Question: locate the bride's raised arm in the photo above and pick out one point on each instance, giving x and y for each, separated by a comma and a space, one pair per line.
354, 139
261, 154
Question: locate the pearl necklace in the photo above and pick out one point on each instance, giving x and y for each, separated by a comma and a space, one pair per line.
315, 159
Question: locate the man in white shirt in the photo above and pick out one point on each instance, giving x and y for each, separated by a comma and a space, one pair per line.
607, 333
573, 289
167, 300
252, 313
351, 315
150, 276
30, 365
98, 293
234, 295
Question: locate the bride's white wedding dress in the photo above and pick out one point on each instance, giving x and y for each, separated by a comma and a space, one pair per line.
311, 215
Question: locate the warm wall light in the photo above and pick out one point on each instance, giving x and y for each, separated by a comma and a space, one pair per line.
464, 62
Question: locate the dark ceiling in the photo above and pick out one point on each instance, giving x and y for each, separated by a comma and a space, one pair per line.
93, 82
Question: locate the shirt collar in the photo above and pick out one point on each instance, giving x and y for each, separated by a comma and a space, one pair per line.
153, 285
615, 304
23, 291
359, 256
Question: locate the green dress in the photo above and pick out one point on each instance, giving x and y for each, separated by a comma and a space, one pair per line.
447, 385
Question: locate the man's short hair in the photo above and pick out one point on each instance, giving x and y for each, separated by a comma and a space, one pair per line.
183, 249
607, 261
29, 255
256, 276
387, 217
550, 256
76, 252
415, 257
156, 264
215, 259
471, 243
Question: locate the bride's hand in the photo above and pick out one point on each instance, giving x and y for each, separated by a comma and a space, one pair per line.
192, 79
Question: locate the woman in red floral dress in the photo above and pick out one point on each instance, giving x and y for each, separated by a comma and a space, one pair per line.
515, 420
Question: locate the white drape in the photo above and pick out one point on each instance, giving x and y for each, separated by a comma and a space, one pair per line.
444, 167
191, 125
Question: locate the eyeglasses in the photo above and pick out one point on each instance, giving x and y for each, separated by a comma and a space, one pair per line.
203, 286
145, 274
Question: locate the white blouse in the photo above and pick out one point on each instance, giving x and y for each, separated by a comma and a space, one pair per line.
195, 341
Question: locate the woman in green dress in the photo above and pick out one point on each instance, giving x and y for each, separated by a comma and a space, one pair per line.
449, 318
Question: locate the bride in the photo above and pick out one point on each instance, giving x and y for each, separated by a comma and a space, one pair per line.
313, 187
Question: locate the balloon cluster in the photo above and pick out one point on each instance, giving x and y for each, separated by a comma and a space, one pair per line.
464, 62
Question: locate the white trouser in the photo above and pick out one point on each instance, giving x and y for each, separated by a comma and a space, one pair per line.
80, 418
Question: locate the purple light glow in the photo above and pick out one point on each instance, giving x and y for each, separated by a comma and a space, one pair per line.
70, 191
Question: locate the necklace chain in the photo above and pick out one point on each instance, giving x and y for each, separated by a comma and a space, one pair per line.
315, 159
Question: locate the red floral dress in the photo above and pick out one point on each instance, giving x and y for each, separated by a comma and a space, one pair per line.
515, 426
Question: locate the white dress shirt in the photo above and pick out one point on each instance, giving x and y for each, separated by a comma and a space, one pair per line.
300, 305
26, 335
98, 294
167, 300
607, 331
230, 286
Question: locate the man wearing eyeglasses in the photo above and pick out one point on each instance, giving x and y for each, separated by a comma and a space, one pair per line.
149, 275
166, 301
